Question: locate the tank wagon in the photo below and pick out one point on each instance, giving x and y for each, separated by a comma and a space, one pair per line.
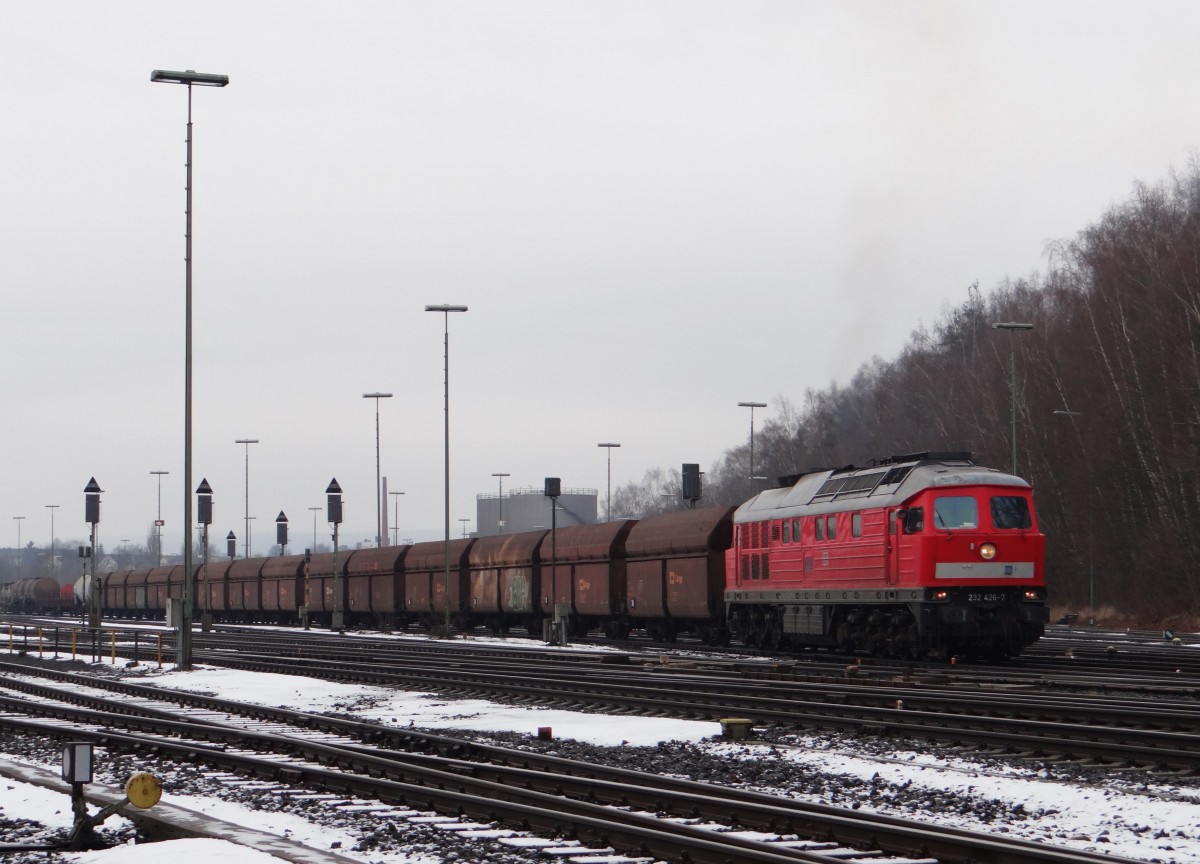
927, 554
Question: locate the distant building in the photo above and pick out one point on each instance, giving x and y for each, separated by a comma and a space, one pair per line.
527, 509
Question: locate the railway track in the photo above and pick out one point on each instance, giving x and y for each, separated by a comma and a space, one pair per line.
665, 818
997, 718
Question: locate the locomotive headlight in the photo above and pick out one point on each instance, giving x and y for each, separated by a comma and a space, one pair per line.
1031, 595
987, 551
940, 595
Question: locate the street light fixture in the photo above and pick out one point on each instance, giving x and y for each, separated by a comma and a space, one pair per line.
500, 475
464, 520
380, 528
608, 506
247, 442
200, 79
446, 309
752, 406
1012, 327
158, 522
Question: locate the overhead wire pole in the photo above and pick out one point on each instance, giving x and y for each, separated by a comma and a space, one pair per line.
158, 522
608, 505
20, 551
247, 442
380, 528
1091, 556
752, 406
500, 475
1012, 327
315, 511
446, 309
52, 508
396, 517
183, 650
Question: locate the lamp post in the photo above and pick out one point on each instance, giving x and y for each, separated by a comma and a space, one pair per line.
247, 442
446, 309
500, 475
158, 522
19, 520
204, 517
1091, 555
396, 514
52, 508
380, 528
1012, 327
608, 506
200, 79
752, 406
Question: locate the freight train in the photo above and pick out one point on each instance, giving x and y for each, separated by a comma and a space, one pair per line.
926, 554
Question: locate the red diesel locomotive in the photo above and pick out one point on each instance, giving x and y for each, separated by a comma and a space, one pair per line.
926, 554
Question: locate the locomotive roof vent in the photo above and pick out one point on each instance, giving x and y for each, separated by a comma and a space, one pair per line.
929, 456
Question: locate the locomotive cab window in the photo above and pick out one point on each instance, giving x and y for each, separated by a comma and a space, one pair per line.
1010, 511
914, 520
955, 512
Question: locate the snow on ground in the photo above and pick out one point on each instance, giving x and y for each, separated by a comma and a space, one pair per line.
430, 710
1150, 820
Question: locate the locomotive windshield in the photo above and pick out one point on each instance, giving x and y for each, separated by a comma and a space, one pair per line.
1010, 511
959, 511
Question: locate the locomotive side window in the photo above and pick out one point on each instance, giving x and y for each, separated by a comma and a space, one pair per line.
787, 531
819, 528
1010, 511
831, 527
914, 520
796, 530
958, 511
856, 525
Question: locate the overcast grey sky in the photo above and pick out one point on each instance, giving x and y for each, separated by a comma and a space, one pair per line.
653, 209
